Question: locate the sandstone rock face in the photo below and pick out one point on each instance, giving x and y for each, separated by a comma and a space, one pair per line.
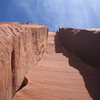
60, 75
84, 43
21, 46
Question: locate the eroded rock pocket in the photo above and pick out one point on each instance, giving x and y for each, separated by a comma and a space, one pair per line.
24, 83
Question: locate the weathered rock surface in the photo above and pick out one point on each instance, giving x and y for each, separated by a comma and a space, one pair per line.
21, 46
85, 43
60, 75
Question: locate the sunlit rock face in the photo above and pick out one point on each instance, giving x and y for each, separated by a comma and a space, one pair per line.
21, 46
85, 43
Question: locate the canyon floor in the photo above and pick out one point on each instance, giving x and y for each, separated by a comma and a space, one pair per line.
60, 76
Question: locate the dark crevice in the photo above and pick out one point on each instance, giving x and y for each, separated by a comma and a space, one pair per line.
12, 61
24, 83
13, 71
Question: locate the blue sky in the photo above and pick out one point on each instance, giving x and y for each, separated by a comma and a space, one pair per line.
52, 13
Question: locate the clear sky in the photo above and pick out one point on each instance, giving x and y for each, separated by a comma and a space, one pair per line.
52, 13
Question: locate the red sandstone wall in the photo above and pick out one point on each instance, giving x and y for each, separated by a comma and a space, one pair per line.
83, 43
21, 45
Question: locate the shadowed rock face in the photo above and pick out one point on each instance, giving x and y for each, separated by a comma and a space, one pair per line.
21, 46
83, 43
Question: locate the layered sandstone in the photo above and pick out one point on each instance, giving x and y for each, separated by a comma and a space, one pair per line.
60, 75
21, 46
85, 43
